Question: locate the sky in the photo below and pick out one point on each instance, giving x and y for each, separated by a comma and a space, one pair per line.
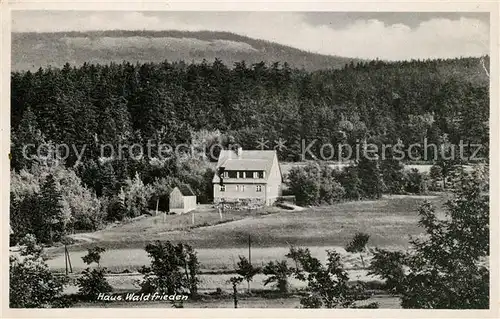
383, 35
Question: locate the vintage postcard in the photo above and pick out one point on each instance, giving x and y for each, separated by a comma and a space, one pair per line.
284, 159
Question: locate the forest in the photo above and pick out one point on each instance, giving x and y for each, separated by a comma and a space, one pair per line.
203, 104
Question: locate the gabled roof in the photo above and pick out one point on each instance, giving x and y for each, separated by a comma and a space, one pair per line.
185, 190
245, 165
251, 160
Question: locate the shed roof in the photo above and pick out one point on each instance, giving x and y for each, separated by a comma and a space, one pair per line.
185, 190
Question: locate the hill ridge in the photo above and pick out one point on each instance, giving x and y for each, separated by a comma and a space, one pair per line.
31, 50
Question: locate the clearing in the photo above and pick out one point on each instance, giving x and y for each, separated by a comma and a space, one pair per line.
389, 221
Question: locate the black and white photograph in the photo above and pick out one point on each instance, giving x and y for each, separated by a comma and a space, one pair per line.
250, 159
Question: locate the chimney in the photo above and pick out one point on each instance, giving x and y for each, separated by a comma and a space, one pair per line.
239, 151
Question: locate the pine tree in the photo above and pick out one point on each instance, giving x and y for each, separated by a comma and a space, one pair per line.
351, 182
27, 133
372, 184
49, 223
393, 175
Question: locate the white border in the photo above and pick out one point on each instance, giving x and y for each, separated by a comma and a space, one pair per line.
365, 6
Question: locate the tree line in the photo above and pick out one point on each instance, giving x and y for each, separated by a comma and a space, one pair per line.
169, 102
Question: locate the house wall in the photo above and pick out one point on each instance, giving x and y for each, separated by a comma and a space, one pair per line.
274, 183
179, 204
189, 203
232, 193
176, 201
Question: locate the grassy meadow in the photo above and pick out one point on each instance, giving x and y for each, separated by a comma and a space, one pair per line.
390, 222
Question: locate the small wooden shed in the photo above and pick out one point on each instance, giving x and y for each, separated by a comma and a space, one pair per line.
182, 200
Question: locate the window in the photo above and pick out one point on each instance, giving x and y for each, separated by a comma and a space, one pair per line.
256, 175
222, 188
259, 188
244, 174
237, 174
240, 188
226, 174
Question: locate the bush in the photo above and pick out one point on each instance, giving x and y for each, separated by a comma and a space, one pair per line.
31, 283
315, 184
136, 196
416, 182
93, 281
278, 273
115, 208
328, 284
436, 178
174, 269
246, 270
304, 182
358, 245
330, 189
351, 182
162, 187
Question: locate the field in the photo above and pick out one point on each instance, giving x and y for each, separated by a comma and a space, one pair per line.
390, 222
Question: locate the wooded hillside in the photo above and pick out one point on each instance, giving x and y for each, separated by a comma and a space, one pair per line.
443, 101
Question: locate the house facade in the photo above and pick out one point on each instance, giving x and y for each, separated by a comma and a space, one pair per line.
182, 199
249, 177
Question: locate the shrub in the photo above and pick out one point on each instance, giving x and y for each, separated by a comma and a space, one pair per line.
235, 281
92, 282
315, 184
436, 178
174, 268
136, 196
416, 182
246, 270
31, 283
93, 256
115, 207
278, 273
330, 189
328, 284
358, 245
305, 184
